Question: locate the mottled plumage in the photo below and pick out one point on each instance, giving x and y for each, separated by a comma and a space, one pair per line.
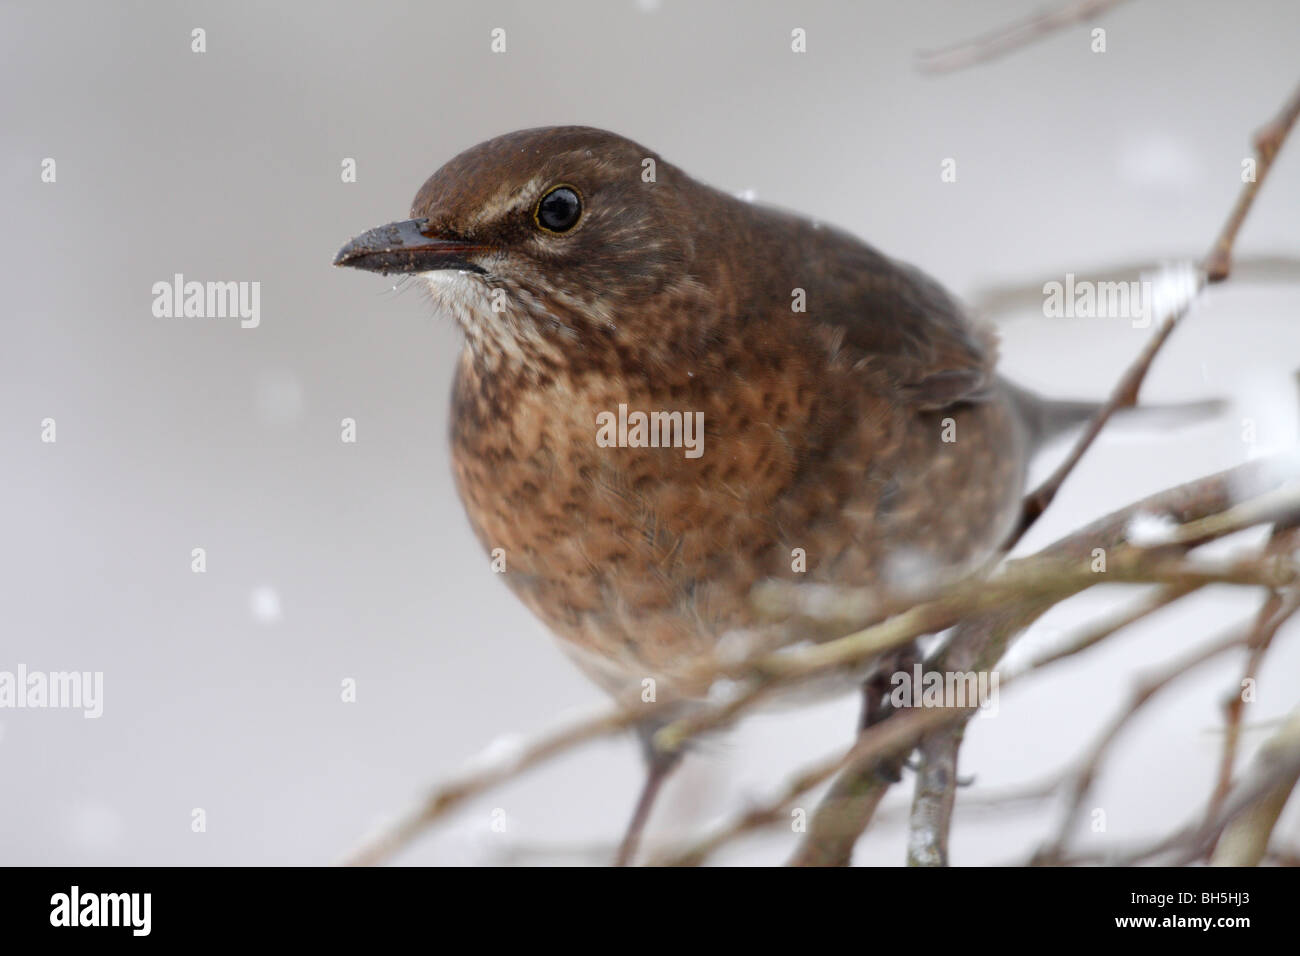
823, 429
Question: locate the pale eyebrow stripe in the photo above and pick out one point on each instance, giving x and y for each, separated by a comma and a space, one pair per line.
504, 199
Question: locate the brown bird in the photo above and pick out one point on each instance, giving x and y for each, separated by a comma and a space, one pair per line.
813, 410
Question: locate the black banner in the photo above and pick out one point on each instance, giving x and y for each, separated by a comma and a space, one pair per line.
333, 905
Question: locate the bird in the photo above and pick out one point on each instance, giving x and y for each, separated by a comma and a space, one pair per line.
668, 396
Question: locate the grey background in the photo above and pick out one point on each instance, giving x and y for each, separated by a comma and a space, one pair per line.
183, 433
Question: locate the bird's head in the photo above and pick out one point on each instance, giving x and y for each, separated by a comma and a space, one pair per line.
551, 231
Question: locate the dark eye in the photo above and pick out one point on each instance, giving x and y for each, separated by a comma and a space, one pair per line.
559, 209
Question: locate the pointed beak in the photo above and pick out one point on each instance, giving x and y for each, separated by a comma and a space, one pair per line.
407, 247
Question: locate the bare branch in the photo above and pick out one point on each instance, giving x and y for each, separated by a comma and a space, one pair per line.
1253, 811
980, 639
1216, 268
934, 797
1101, 631
873, 745
491, 772
1000, 42
1082, 778
1267, 622
1268, 143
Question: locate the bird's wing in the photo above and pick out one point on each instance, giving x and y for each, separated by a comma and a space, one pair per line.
908, 326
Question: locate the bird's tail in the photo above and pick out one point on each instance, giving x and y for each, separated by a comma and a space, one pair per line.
1049, 418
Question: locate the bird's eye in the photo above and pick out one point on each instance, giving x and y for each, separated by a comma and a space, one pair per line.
559, 209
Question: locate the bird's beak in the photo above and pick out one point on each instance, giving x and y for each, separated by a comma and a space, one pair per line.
407, 247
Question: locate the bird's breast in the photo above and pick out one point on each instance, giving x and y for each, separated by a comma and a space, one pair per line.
635, 515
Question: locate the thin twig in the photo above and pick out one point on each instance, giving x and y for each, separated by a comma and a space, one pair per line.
1268, 143
999, 42
1200, 836
1234, 708
490, 773
1097, 633
1082, 778
873, 744
1216, 268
